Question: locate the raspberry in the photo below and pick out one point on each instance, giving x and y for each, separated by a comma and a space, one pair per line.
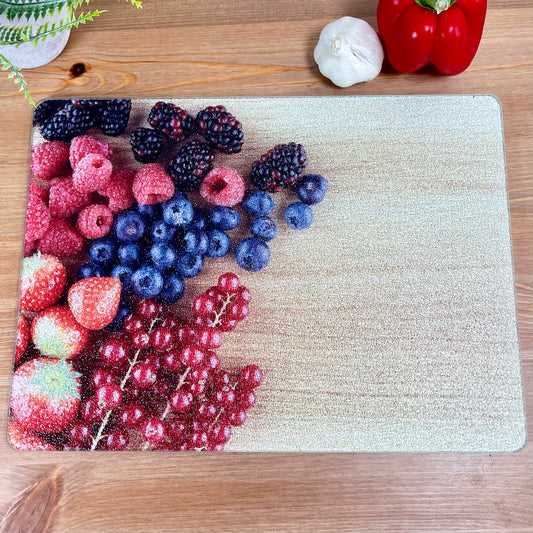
190, 165
92, 173
37, 218
84, 145
223, 186
279, 168
147, 144
41, 192
65, 200
61, 239
220, 129
29, 247
48, 159
94, 221
152, 185
171, 120
118, 190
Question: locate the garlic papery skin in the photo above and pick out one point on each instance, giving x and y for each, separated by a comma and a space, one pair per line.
349, 51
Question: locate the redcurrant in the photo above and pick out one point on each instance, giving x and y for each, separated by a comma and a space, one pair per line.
79, 432
108, 396
203, 305
180, 400
114, 353
102, 376
90, 411
162, 339
133, 323
143, 375
131, 415
116, 440
153, 430
192, 355
140, 339
148, 309
250, 377
228, 282
220, 433
209, 337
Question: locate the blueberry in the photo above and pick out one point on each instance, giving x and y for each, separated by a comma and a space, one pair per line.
218, 243
123, 311
90, 270
252, 254
163, 255
311, 189
123, 273
147, 282
198, 220
129, 255
264, 228
189, 265
129, 226
161, 231
178, 212
224, 218
195, 241
173, 289
298, 216
102, 251
148, 211
258, 203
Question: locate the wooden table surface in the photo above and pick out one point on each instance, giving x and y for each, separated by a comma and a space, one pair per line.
262, 48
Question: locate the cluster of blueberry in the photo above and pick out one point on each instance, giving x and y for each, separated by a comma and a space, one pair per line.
153, 247
253, 253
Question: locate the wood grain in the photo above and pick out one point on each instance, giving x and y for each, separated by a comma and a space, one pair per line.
264, 48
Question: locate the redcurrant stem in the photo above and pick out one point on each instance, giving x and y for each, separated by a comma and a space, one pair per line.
225, 304
100, 433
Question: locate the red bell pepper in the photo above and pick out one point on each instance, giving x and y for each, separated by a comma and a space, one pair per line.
443, 32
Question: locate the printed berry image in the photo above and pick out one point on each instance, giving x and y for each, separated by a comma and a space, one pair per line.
279, 168
190, 165
172, 121
220, 129
110, 354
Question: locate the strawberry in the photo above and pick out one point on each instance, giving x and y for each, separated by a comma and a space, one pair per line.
20, 439
56, 333
45, 394
42, 281
94, 301
23, 337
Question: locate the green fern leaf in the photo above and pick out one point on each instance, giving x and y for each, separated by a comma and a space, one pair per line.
15, 73
17, 9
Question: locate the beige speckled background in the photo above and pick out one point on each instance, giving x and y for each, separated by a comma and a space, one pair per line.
389, 325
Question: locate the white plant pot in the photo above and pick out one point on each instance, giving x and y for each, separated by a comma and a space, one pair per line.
26, 55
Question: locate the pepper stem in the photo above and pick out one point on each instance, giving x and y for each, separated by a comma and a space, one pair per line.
437, 5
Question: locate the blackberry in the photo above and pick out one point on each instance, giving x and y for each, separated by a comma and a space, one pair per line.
147, 144
46, 109
220, 129
190, 165
71, 120
112, 116
171, 120
279, 167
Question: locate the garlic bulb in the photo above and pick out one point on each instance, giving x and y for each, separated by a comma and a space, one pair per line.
349, 51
